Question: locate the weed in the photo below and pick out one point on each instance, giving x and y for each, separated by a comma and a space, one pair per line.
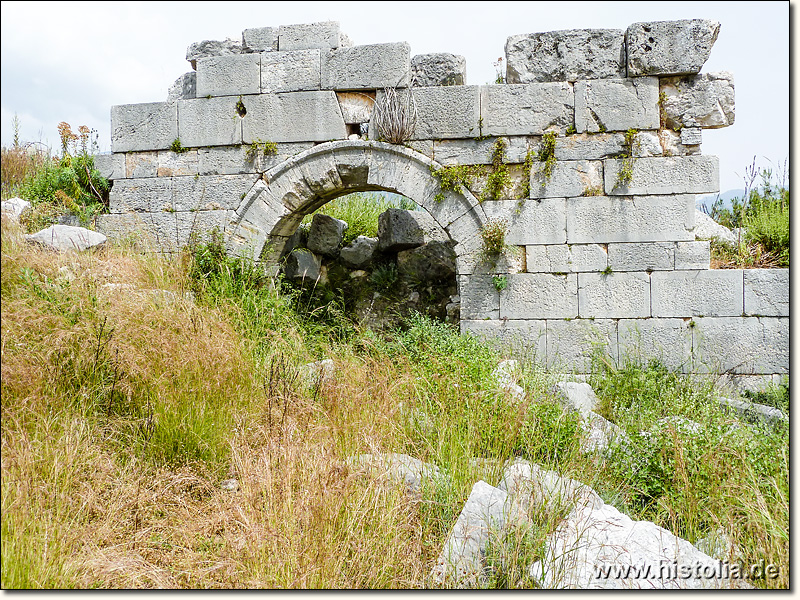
493, 236
455, 178
395, 116
385, 276
607, 271
500, 282
177, 147
631, 143
266, 148
547, 156
498, 67
498, 179
241, 110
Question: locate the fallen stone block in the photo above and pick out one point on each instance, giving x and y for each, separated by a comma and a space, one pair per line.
64, 238
360, 252
576, 396
432, 262
325, 235
505, 375
669, 47
707, 228
754, 412
438, 69
400, 229
302, 265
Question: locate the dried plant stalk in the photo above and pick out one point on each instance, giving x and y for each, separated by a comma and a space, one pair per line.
396, 116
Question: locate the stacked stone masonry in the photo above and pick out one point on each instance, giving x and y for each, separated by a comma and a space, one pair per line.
601, 236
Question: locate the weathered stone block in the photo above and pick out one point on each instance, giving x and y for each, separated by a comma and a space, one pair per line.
259, 39
66, 238
526, 338
152, 126
671, 144
138, 194
206, 48
293, 117
290, 71
356, 106
616, 104
444, 112
614, 295
603, 219
360, 252
539, 296
325, 235
748, 345
567, 178
110, 166
531, 221
210, 192
478, 152
170, 164
587, 146
400, 229
141, 164
199, 224
305, 36
442, 68
692, 255
668, 175
565, 55
706, 100
669, 340
229, 75
572, 344
717, 293
648, 143
766, 292
302, 265
367, 67
650, 256
233, 160
209, 122
691, 136
184, 88
526, 109
433, 262
669, 47
563, 258
479, 298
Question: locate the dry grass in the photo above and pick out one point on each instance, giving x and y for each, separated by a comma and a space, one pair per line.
18, 165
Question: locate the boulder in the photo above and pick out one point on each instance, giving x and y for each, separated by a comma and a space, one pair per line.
206, 48
325, 235
442, 68
360, 252
707, 228
707, 100
64, 238
302, 265
754, 411
535, 489
435, 261
15, 207
400, 468
576, 396
400, 229
669, 47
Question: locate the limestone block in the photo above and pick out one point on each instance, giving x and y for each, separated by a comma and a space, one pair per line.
434, 262
713, 293
478, 152
200, 224
171, 164
587, 146
229, 75
198, 50
209, 122
360, 252
305, 36
442, 68
356, 106
65, 238
367, 67
639, 256
692, 255
648, 143
539, 296
15, 207
668, 175
567, 178
302, 265
565, 55
141, 164
691, 136
208, 192
766, 292
616, 104
707, 228
293, 117
479, 298
572, 344
531, 221
445, 112
747, 345
117, 226
563, 258
325, 235
669, 47
614, 295
603, 219
290, 71
400, 229
526, 109
525, 338
402, 468
232, 160
668, 340
752, 411
185, 87
259, 39
671, 145
110, 166
137, 194
152, 126
706, 100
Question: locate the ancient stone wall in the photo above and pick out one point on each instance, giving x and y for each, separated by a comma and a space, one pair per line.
589, 155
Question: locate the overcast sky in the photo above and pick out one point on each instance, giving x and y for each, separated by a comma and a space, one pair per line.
71, 61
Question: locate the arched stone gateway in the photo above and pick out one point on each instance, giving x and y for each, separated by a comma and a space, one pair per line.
591, 157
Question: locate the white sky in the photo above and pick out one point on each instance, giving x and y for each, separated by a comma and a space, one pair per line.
71, 61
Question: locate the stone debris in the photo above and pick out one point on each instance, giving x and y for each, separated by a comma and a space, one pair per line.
360, 252
505, 374
401, 468
66, 238
325, 235
302, 265
754, 411
15, 207
707, 228
230, 485
400, 229
318, 373
206, 48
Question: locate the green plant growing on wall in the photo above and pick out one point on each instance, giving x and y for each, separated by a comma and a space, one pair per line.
630, 145
453, 178
267, 148
177, 147
498, 179
240, 108
493, 237
547, 156
500, 282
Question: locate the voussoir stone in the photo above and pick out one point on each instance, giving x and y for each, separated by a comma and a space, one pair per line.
441, 68
669, 47
565, 55
66, 237
212, 48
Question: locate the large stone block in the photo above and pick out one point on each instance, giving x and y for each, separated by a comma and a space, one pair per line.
139, 195
367, 67
110, 166
707, 100
565, 55
669, 47
525, 338
233, 160
199, 225
603, 219
206, 48
668, 175
445, 112
571, 345
290, 71
152, 126
587, 146
567, 178
717, 293
172, 164
210, 192
141, 164
478, 152
531, 221
442, 68
293, 117
692, 255
613, 295
229, 75
746, 345
400, 229
306, 36
479, 297
616, 104
642, 256
766, 292
526, 109
668, 340
539, 296
209, 122
260, 39
563, 258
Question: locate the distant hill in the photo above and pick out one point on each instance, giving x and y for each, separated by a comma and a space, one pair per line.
726, 196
